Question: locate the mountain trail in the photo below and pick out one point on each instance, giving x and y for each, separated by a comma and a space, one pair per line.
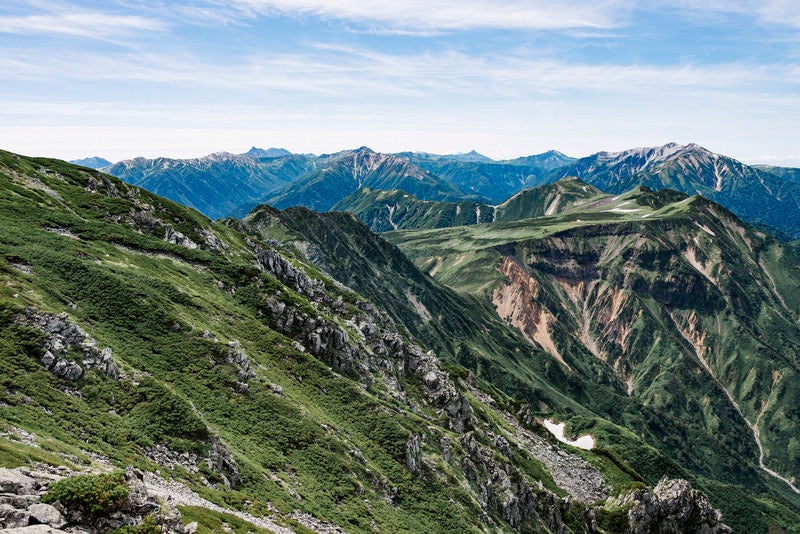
181, 495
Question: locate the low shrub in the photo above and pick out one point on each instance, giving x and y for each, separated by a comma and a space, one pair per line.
91, 493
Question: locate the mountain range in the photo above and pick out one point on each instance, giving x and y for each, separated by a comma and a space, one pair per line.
223, 184
294, 370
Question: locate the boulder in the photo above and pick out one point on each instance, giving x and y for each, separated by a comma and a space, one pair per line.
12, 481
46, 514
11, 517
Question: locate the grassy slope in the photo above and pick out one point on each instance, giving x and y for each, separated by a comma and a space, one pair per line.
667, 374
75, 241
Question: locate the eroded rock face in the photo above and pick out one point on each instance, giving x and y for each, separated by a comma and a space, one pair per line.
367, 343
503, 490
672, 507
271, 262
62, 336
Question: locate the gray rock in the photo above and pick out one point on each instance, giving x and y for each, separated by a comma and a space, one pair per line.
672, 507
173, 236
12, 481
11, 517
48, 359
46, 515
413, 460
35, 529
19, 501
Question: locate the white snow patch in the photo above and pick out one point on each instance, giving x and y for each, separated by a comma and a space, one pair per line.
706, 228
625, 210
585, 442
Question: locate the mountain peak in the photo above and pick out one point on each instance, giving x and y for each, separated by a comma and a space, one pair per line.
93, 162
272, 152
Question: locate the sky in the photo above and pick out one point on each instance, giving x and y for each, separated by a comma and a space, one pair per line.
184, 78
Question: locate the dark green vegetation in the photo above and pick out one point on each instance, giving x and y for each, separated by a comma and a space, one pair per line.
279, 388
384, 211
93, 493
234, 341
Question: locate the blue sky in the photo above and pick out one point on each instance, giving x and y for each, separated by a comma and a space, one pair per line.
121, 78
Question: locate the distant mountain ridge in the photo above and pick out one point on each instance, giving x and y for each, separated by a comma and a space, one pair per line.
385, 211
217, 184
492, 181
94, 162
350, 170
224, 184
753, 194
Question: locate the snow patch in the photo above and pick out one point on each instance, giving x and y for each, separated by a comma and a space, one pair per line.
585, 442
624, 210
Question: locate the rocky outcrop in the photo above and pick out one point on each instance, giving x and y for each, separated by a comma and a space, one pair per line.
273, 263
63, 335
238, 358
503, 491
440, 388
21, 509
672, 507
375, 351
173, 236
218, 459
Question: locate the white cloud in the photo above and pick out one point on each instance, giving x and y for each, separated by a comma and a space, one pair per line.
426, 15
778, 12
84, 24
343, 72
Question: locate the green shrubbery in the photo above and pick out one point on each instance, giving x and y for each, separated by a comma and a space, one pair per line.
92, 493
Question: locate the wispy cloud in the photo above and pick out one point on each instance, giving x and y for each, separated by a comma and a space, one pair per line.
336, 71
422, 15
95, 25
778, 12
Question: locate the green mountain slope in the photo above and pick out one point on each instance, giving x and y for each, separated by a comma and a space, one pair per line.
137, 332
693, 312
756, 196
339, 244
348, 171
384, 211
